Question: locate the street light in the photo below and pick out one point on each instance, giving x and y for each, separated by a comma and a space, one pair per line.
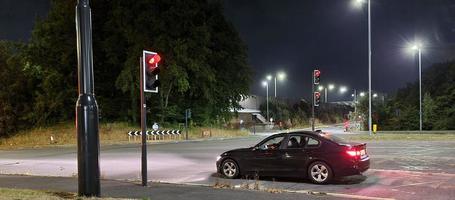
375, 95
280, 76
362, 94
358, 3
320, 88
343, 89
266, 85
418, 47
331, 86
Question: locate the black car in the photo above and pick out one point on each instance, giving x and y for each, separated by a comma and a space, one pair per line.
316, 155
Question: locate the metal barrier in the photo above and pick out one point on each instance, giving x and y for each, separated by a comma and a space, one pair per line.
156, 135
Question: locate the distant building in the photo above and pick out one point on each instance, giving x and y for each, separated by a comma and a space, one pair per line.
250, 113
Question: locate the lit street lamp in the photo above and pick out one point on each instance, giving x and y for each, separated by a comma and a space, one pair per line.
417, 47
320, 88
326, 93
280, 76
266, 85
358, 3
343, 89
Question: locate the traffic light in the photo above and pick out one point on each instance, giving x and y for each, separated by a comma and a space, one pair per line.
151, 71
317, 98
316, 76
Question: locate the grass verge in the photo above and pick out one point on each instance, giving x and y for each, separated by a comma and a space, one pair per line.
110, 133
14, 194
400, 136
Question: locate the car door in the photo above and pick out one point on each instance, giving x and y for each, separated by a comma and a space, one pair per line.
294, 156
266, 158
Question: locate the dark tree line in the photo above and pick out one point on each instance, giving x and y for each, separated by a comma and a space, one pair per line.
204, 65
401, 111
293, 114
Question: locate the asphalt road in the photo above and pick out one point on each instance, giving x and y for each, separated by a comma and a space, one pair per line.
399, 169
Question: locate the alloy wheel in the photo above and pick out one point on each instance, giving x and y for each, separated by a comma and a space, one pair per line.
230, 169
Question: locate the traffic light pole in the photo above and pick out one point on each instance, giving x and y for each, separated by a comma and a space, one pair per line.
86, 107
143, 127
312, 102
186, 124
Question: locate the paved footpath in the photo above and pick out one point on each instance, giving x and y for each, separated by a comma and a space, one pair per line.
155, 191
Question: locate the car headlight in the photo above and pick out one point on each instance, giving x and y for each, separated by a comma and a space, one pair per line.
218, 158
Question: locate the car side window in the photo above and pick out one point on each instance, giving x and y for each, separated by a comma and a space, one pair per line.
295, 142
312, 142
273, 143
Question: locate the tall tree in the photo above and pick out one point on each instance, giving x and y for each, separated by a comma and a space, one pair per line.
16, 84
204, 60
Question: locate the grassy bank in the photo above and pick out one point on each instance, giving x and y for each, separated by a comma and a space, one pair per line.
14, 194
401, 136
110, 133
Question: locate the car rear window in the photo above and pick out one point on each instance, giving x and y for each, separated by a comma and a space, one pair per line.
333, 138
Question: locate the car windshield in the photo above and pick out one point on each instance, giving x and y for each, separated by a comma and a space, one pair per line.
333, 138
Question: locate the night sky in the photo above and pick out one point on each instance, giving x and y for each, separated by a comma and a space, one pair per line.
297, 36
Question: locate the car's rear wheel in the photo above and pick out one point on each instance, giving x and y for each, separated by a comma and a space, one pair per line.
319, 172
230, 169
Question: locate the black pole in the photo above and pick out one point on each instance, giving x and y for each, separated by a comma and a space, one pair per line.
86, 107
312, 110
186, 124
143, 127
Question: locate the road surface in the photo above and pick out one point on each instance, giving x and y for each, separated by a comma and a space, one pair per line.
399, 169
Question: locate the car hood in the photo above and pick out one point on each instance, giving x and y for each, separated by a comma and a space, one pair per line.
237, 150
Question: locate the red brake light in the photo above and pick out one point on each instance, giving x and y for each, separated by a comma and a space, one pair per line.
352, 153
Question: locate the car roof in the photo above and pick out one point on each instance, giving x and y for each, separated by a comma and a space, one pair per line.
312, 133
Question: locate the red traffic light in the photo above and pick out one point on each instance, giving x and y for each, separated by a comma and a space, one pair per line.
152, 59
316, 76
151, 71
317, 98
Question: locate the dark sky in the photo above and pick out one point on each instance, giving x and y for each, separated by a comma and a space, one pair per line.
297, 36
17, 17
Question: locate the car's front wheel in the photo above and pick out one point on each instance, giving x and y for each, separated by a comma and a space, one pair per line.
320, 172
230, 169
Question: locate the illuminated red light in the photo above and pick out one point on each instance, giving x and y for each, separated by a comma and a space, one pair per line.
317, 73
152, 59
353, 153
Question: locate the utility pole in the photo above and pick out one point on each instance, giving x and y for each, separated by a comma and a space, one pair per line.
86, 107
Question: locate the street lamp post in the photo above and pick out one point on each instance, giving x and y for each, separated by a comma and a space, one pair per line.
355, 101
420, 88
358, 2
326, 93
419, 50
369, 68
280, 76
266, 84
88, 170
